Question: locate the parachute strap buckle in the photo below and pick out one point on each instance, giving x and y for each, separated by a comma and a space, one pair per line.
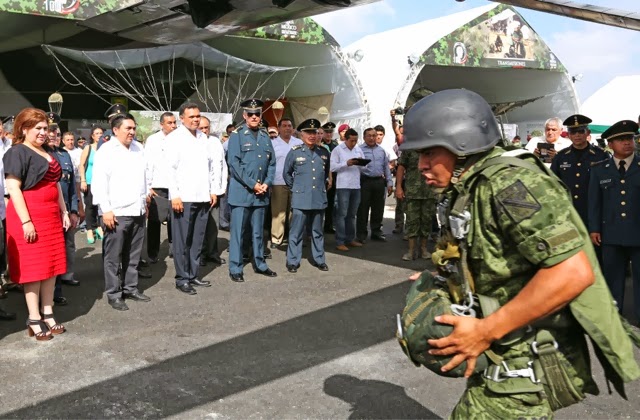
544, 343
465, 309
459, 224
498, 373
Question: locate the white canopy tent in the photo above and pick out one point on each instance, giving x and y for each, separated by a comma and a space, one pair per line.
465, 50
615, 101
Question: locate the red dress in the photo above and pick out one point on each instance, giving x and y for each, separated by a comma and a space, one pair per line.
46, 257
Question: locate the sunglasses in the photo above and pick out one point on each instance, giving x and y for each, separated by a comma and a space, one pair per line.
254, 114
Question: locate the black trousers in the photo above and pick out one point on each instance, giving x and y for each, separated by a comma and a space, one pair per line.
372, 196
328, 212
188, 235
123, 245
210, 249
159, 211
90, 210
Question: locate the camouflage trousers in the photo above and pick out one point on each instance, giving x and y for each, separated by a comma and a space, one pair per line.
478, 402
420, 213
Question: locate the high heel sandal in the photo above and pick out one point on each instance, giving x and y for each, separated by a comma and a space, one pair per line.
99, 233
91, 239
42, 335
55, 328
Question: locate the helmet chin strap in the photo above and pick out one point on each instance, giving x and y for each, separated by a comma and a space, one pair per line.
461, 165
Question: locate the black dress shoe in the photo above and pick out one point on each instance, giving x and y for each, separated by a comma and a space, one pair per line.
329, 230
7, 316
70, 282
268, 272
118, 304
143, 263
379, 238
225, 228
144, 275
60, 301
274, 246
200, 283
203, 262
136, 296
321, 267
154, 260
187, 288
292, 268
238, 278
218, 261
246, 259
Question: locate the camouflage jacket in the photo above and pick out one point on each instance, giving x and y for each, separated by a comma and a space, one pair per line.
415, 187
522, 221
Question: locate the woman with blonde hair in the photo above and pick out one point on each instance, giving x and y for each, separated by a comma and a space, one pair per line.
86, 174
36, 217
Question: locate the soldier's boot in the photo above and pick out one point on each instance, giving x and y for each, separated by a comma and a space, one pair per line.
424, 252
410, 255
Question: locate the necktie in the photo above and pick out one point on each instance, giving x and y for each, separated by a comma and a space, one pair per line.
621, 168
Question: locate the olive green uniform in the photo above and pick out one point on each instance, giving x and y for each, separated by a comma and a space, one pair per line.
523, 220
420, 201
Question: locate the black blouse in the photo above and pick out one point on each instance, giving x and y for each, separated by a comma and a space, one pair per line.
26, 165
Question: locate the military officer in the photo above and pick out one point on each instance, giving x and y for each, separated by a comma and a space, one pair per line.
614, 211
112, 112
330, 142
573, 164
512, 236
306, 173
252, 164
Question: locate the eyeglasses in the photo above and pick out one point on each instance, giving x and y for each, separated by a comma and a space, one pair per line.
254, 114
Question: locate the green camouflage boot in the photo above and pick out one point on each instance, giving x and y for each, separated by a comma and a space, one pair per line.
424, 253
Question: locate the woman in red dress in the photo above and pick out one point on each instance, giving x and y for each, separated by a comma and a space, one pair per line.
36, 217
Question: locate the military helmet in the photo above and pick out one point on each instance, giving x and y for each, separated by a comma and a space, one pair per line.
459, 120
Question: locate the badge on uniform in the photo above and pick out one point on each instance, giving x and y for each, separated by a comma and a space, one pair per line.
323, 157
565, 165
605, 181
301, 159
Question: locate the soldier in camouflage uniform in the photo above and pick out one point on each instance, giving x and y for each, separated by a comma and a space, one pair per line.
419, 204
525, 247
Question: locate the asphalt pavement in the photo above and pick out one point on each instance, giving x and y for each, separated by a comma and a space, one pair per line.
307, 345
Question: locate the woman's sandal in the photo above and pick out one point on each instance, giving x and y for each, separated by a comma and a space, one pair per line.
55, 328
43, 335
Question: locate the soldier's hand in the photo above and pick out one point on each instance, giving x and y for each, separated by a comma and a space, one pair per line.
257, 188
467, 341
596, 238
399, 193
415, 276
176, 205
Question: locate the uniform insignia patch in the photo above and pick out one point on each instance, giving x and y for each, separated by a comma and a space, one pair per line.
518, 202
605, 181
301, 159
323, 157
565, 165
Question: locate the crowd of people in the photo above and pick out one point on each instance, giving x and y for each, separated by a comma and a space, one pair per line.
270, 187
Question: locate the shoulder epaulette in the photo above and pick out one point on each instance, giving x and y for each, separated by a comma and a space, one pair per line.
568, 151
235, 131
296, 147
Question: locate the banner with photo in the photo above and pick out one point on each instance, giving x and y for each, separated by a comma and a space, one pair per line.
304, 30
148, 122
500, 38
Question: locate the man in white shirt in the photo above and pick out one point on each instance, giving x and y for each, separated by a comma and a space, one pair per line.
343, 162
210, 251
552, 134
119, 189
281, 194
194, 186
158, 180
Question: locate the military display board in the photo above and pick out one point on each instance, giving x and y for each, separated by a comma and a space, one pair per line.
66, 9
304, 30
148, 122
500, 38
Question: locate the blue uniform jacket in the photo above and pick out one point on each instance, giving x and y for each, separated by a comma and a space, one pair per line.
68, 180
614, 203
251, 160
573, 167
306, 172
